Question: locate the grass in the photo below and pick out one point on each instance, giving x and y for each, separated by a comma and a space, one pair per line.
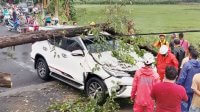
132, 1
151, 18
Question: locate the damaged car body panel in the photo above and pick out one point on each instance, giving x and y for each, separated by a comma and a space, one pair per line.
82, 63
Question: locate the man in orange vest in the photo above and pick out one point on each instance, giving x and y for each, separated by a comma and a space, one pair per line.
161, 42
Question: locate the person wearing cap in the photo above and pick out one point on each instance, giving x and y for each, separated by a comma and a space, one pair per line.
161, 42
165, 58
143, 82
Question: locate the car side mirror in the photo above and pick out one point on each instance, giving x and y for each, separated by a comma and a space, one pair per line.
77, 53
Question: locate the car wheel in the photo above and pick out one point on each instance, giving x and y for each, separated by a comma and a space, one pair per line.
96, 88
42, 69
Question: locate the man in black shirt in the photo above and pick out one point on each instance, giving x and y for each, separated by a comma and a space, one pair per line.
178, 51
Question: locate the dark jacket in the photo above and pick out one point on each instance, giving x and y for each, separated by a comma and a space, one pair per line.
188, 71
171, 44
14, 14
179, 52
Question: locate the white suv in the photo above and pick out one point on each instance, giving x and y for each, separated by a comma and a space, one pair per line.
76, 61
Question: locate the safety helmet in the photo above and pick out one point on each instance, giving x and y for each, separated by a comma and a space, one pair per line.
163, 49
92, 23
148, 58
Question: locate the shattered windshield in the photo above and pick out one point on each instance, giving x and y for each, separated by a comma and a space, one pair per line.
106, 43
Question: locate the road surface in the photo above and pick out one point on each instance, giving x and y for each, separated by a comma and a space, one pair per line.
18, 63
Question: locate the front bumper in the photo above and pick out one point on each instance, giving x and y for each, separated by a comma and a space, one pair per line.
121, 86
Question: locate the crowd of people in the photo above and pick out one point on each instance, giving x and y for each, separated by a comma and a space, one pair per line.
27, 21
175, 85
13, 15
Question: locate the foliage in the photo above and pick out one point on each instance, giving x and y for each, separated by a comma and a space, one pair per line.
39, 18
133, 1
85, 105
62, 10
119, 18
2, 3
16, 1
72, 10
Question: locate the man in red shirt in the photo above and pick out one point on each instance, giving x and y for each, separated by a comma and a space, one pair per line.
143, 82
167, 94
165, 58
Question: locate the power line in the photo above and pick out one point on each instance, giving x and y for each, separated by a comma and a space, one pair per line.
157, 33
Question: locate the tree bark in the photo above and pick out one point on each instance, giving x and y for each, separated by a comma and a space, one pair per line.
5, 80
67, 9
32, 37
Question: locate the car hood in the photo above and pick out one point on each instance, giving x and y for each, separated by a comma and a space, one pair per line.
107, 60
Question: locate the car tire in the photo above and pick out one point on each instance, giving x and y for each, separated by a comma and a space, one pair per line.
42, 69
95, 85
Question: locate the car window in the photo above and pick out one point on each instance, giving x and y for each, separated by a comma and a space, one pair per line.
70, 45
66, 44
56, 41
93, 46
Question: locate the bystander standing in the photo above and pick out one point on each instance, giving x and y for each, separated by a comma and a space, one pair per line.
143, 82
167, 94
162, 41
195, 106
178, 51
165, 58
187, 73
171, 44
186, 59
184, 43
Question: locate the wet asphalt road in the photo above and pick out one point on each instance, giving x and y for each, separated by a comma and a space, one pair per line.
18, 63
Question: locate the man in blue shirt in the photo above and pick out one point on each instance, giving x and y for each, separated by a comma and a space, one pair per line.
188, 71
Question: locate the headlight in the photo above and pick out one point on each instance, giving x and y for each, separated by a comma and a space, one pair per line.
116, 73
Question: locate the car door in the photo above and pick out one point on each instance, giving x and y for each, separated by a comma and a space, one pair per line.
53, 54
71, 66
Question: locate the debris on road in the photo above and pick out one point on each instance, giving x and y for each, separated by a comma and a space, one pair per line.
5, 80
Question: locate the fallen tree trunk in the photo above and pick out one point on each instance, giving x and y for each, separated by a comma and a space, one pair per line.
32, 37
5, 80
